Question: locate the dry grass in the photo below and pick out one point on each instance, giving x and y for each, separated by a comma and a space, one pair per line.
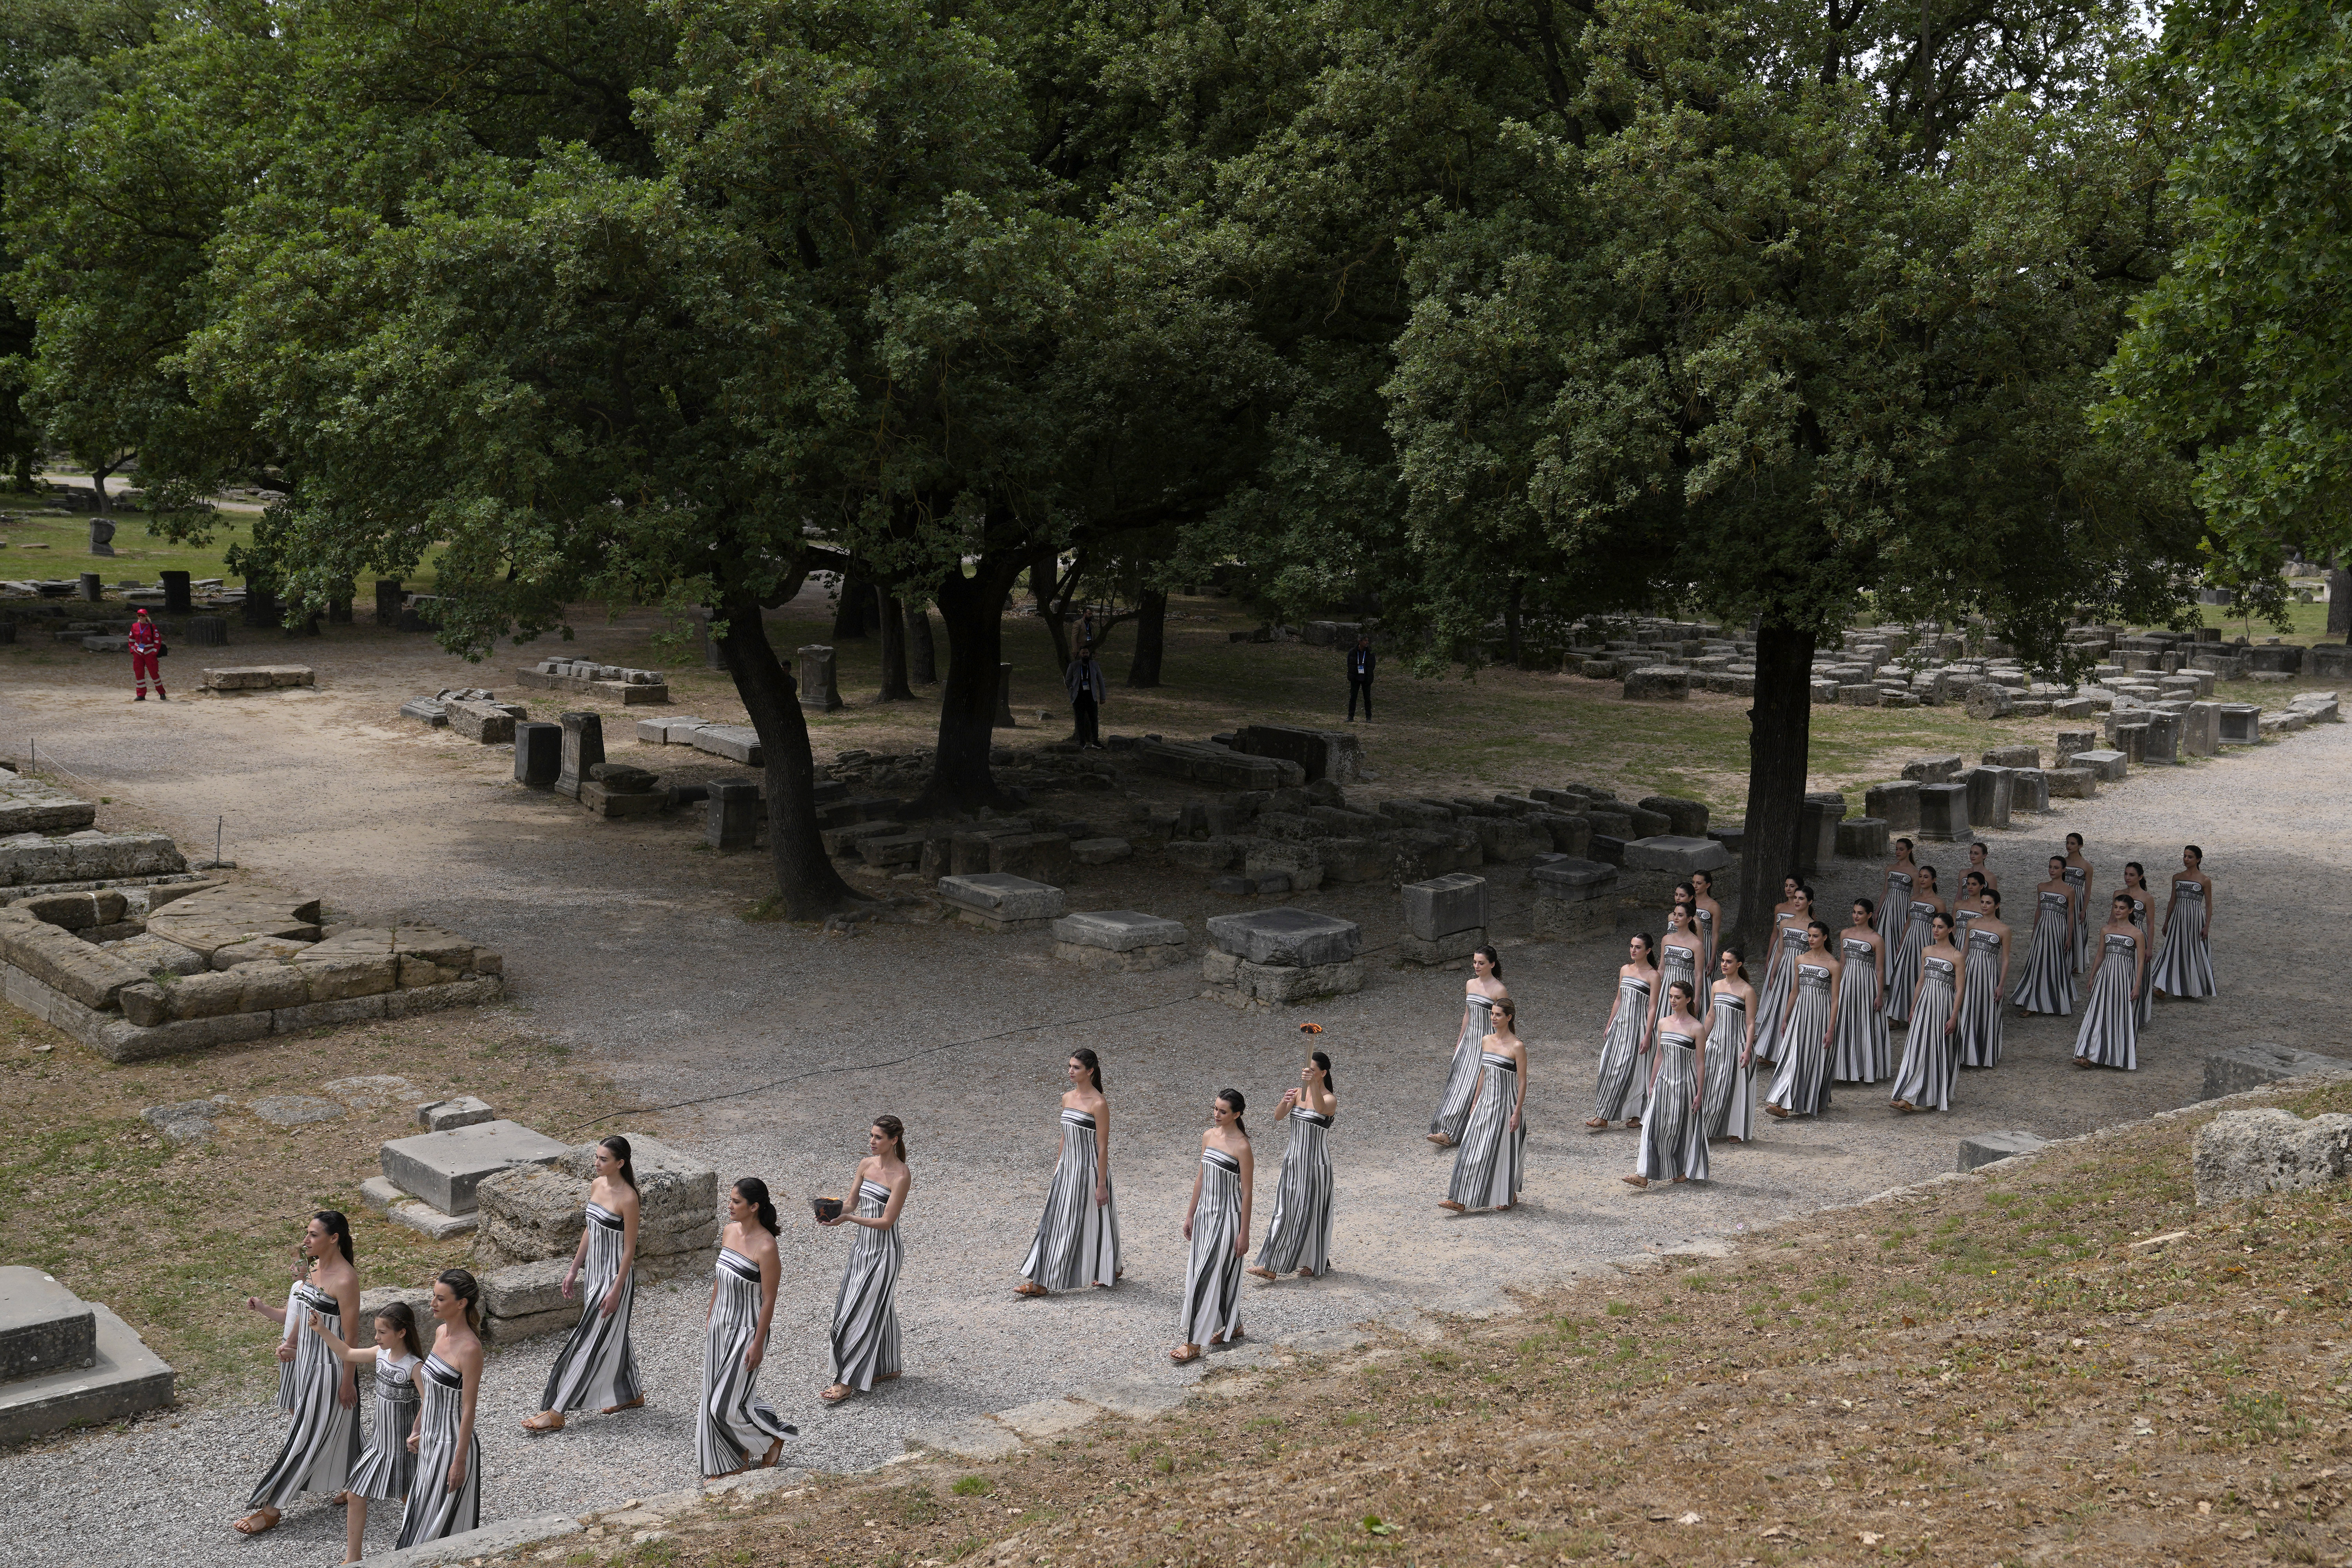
1985, 1371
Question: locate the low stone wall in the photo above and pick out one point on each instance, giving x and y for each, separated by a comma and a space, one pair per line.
531, 1216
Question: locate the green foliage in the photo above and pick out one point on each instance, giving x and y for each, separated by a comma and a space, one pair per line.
973, 1486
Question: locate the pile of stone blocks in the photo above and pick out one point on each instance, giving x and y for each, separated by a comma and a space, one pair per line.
472, 712
1445, 918
1575, 898
432, 1180
1652, 866
1123, 939
617, 789
36, 863
1332, 754
1218, 766
1000, 902
258, 678
1278, 957
737, 742
65, 1361
591, 679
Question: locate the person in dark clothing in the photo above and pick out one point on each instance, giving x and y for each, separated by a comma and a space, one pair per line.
1087, 691
1359, 677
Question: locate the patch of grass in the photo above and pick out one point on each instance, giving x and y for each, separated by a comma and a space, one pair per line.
973, 1486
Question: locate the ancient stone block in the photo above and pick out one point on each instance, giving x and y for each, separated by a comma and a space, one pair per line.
1119, 930
1864, 838
2161, 744
1944, 813
447, 1115
2240, 724
1451, 949
1817, 821
1283, 985
1002, 899
2245, 1153
1989, 797
2029, 791
538, 754
1320, 754
1932, 769
1987, 1149
1443, 905
1101, 852
2108, 767
488, 723
336, 976
1296, 937
2072, 783
444, 1168
1675, 854
1502, 839
1573, 880
2012, 757
819, 691
1658, 683
2236, 1069
1685, 819
584, 747
1895, 804
55, 958
1040, 857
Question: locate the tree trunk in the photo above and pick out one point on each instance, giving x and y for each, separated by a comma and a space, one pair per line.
974, 610
922, 658
24, 470
97, 483
893, 627
806, 883
849, 609
2339, 602
1150, 638
1046, 588
1511, 647
1779, 731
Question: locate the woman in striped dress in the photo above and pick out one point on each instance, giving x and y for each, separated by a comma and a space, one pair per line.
1625, 1036
1681, 957
1810, 1015
1925, 1076
1859, 1054
2047, 986
445, 1496
1492, 1165
2080, 875
1903, 968
597, 1364
2143, 905
386, 1467
1788, 940
866, 1312
733, 1421
1711, 930
1894, 898
324, 1441
1299, 1238
1674, 1133
1217, 1224
1730, 1051
1077, 1237
1984, 981
2184, 968
1967, 907
1486, 984
2109, 1035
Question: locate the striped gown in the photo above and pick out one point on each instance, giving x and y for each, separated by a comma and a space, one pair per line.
1077, 1240
2141, 918
1979, 1030
1860, 1053
1674, 1133
866, 1312
1895, 909
2109, 1035
1621, 1049
1212, 1278
386, 1467
1707, 951
1929, 1067
324, 1442
286, 1368
1903, 963
597, 1367
1678, 963
1730, 1091
1802, 1087
734, 1426
435, 1511
1772, 996
1299, 1240
1462, 1075
1493, 1161
2048, 984
2183, 966
2080, 879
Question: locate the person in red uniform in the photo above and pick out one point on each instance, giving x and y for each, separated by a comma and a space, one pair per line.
146, 639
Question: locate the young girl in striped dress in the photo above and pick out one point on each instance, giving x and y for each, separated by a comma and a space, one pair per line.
386, 1467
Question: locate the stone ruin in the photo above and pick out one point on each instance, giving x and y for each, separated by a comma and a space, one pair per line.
628, 686
65, 1361
474, 712
1278, 957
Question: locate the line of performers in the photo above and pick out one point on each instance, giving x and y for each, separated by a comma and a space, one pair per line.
1829, 1006
422, 1454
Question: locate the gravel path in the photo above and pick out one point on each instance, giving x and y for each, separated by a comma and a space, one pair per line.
623, 939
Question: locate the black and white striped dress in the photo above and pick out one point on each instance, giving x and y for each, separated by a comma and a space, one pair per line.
434, 1511
2109, 1035
2183, 966
386, 1467
1212, 1278
1493, 1161
1462, 1073
1299, 1238
1894, 910
1676, 963
1673, 1131
2080, 879
866, 1312
1903, 963
324, 1442
286, 1368
1860, 1053
735, 1425
1925, 1077
1620, 1050
1707, 951
1979, 1030
1730, 1091
597, 1367
1077, 1239
1789, 939
2143, 917
2048, 984
1801, 1086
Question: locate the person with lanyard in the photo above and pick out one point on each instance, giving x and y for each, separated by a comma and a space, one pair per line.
1360, 661
1087, 694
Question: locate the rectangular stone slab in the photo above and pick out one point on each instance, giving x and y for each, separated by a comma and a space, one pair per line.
1299, 938
1984, 1148
443, 1168
123, 1378
2243, 1067
1676, 853
1119, 930
44, 1327
1000, 895
1445, 904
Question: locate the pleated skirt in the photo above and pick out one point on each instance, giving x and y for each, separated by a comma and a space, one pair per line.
1299, 1238
1620, 1051
865, 1311
1212, 1273
385, 1468
597, 1367
1860, 1053
2109, 1033
1801, 1085
1772, 1000
1678, 963
1730, 1088
1673, 1131
1923, 1078
1077, 1239
286, 1368
434, 1511
1980, 1027
1493, 1162
323, 1443
2184, 965
1903, 967
734, 1424
1462, 1073
2048, 984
